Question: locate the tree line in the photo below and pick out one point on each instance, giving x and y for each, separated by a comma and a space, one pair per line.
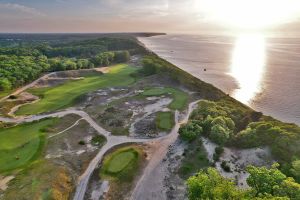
264, 184
22, 64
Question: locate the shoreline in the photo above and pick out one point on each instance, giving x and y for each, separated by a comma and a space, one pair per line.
179, 68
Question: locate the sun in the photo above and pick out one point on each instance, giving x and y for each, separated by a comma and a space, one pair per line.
250, 13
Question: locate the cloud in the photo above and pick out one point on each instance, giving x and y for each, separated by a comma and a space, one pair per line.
29, 11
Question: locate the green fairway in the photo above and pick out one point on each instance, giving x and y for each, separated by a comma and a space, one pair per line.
121, 164
165, 120
62, 96
21, 144
179, 97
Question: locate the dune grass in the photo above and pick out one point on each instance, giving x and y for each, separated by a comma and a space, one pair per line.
165, 120
62, 96
42, 180
21, 144
180, 98
195, 159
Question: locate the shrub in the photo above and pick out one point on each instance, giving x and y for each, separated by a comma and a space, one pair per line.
219, 134
218, 152
225, 166
98, 140
190, 131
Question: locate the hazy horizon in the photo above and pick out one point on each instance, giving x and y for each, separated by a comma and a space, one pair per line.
188, 17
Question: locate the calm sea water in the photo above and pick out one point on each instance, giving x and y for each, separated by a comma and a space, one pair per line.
263, 73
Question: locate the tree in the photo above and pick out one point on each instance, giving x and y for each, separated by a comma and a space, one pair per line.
288, 188
219, 134
149, 67
211, 185
69, 64
190, 131
272, 182
122, 56
263, 180
5, 84
295, 170
265, 184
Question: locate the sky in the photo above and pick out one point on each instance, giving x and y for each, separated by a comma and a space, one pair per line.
189, 16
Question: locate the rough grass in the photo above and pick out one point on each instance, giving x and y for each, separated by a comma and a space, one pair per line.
62, 96
22, 144
6, 106
42, 180
5, 93
165, 120
180, 98
195, 158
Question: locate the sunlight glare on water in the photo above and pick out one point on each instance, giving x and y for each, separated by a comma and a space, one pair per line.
248, 65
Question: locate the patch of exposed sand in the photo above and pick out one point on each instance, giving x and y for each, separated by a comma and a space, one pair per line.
24, 96
238, 160
148, 110
4, 182
104, 70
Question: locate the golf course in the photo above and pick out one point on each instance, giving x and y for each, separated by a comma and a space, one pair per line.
63, 96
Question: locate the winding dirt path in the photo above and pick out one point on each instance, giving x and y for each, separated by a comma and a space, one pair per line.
61, 132
147, 184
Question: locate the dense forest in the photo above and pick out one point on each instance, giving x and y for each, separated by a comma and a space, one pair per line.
23, 61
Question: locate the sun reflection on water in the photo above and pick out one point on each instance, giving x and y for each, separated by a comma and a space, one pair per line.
248, 66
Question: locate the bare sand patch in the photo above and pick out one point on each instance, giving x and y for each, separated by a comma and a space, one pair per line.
4, 182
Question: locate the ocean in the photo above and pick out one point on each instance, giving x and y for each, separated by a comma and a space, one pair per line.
262, 72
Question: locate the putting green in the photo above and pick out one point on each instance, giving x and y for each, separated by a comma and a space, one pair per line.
179, 97
64, 95
165, 120
120, 163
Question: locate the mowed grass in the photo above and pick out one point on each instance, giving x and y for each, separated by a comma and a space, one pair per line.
62, 96
120, 168
121, 164
121, 161
165, 120
21, 144
180, 98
